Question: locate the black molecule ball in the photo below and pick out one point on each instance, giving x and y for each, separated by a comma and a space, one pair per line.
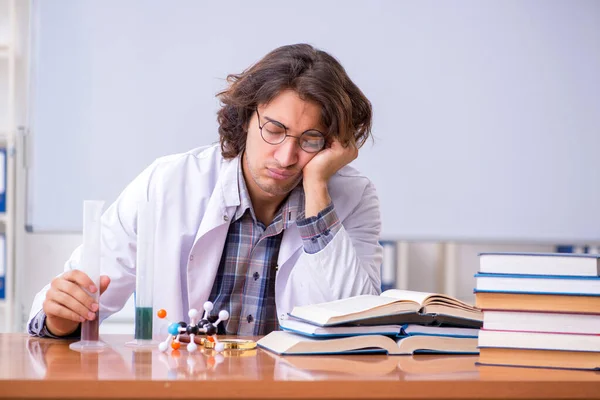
202, 323
211, 329
191, 330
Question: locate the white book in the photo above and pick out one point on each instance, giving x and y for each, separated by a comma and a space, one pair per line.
584, 285
539, 340
392, 307
542, 322
540, 264
285, 343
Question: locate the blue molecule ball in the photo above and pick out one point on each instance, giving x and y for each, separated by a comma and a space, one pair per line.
174, 329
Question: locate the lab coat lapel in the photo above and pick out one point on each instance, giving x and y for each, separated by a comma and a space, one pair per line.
291, 241
205, 255
290, 244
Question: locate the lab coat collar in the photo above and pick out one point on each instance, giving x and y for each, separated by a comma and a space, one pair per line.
229, 182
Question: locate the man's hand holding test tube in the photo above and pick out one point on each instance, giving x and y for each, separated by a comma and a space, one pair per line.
67, 304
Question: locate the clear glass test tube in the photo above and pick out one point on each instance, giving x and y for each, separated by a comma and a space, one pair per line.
144, 280
90, 264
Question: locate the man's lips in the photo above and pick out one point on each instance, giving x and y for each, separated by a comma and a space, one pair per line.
279, 173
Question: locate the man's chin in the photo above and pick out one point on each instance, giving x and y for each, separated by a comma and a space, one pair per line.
279, 188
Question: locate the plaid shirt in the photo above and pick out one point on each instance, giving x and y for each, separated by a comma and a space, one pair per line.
245, 281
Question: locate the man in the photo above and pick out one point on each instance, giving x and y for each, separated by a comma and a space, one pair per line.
270, 219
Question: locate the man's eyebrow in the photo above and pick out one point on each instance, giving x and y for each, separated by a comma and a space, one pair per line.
275, 121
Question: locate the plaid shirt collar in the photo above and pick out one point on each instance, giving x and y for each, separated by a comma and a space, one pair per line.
287, 214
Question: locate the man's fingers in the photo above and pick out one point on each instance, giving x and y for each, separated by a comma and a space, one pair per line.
78, 294
80, 278
348, 151
104, 282
53, 309
70, 303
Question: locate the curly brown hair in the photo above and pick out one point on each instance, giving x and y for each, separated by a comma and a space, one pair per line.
315, 75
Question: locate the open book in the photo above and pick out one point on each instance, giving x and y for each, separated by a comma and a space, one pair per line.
392, 307
286, 343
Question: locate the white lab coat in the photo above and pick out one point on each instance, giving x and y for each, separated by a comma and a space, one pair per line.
196, 195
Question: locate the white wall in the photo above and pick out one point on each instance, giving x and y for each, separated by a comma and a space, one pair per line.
43, 255
480, 108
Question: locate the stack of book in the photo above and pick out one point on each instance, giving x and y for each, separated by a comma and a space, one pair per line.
539, 310
396, 322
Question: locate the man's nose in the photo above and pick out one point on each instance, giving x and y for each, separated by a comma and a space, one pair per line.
287, 152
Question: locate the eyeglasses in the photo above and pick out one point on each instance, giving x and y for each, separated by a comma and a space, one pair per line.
274, 132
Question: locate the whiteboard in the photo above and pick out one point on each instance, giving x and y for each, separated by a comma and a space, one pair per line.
486, 114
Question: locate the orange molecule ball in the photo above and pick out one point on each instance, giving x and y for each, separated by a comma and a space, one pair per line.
210, 339
161, 313
175, 345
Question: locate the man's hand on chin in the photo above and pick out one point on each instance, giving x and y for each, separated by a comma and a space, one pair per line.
319, 170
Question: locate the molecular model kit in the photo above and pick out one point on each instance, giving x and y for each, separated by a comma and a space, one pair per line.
193, 329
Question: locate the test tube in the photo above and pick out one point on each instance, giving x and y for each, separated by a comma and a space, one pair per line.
144, 279
90, 264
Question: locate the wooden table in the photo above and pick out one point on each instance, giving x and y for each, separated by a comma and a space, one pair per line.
45, 368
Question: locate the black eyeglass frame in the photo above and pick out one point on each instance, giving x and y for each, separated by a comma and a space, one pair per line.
299, 138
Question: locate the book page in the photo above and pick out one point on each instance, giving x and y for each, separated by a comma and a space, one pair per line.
436, 300
417, 297
424, 298
353, 308
350, 305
